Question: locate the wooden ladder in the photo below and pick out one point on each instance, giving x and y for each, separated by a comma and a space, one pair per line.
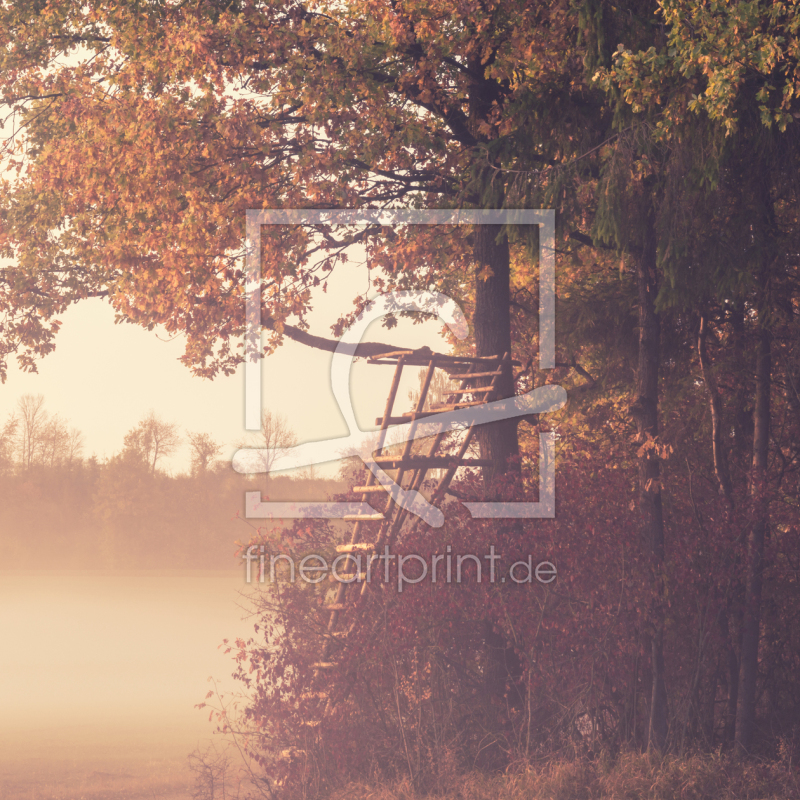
478, 379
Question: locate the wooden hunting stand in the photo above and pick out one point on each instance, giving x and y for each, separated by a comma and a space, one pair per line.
477, 379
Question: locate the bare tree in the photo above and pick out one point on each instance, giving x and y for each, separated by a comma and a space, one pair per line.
8, 440
214, 778
275, 434
74, 446
53, 442
152, 439
39, 437
33, 419
59, 445
204, 452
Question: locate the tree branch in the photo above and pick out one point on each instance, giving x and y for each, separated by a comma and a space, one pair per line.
589, 242
360, 350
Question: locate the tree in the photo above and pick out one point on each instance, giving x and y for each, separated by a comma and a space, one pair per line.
204, 452
390, 103
27, 327
33, 421
42, 438
151, 440
8, 438
391, 108
719, 91
60, 444
274, 435
137, 156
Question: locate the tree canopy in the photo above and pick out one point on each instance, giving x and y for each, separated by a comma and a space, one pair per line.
139, 134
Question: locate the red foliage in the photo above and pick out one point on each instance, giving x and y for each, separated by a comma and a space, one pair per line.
412, 690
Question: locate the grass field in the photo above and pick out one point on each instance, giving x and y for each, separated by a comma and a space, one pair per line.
90, 762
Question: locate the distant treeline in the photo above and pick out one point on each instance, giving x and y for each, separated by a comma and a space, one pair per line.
59, 510
116, 515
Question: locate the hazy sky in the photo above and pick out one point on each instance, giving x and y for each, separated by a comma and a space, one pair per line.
102, 378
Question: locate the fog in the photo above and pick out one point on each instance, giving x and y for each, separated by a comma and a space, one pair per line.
104, 669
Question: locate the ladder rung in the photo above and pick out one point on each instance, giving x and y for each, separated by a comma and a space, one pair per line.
363, 489
460, 376
324, 665
456, 406
414, 359
432, 462
359, 547
401, 420
473, 390
412, 415
362, 517
348, 577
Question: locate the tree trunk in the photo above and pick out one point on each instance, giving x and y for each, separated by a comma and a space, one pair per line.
498, 441
645, 412
731, 613
746, 707
492, 327
732, 674
717, 445
742, 419
725, 485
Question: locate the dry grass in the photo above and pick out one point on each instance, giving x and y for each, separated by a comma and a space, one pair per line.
630, 777
102, 784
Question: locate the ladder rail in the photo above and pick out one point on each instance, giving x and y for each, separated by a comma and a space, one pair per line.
411, 473
371, 481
